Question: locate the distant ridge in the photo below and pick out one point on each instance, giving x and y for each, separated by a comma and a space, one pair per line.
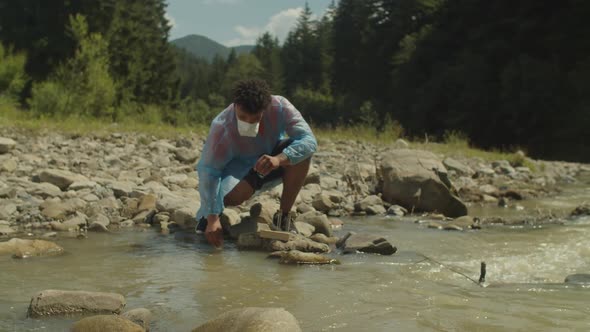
207, 48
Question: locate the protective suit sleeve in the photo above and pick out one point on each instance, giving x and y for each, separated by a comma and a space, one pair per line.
304, 142
216, 154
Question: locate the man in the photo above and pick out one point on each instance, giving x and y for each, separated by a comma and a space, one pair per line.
247, 150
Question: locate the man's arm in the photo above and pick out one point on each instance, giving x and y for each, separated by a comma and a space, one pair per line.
304, 142
214, 157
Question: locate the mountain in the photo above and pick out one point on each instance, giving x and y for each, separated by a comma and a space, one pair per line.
206, 48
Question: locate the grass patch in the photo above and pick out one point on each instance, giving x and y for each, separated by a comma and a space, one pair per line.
11, 116
454, 144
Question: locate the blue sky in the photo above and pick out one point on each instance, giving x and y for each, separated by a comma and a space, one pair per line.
237, 22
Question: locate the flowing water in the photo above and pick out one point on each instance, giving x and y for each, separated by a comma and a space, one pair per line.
185, 283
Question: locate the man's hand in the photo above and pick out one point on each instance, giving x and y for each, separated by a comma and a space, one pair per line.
214, 232
267, 164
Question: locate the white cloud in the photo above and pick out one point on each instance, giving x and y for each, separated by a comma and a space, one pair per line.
278, 25
171, 21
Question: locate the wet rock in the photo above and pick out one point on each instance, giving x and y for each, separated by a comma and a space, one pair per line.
375, 210
298, 257
299, 243
22, 248
321, 238
7, 209
140, 316
417, 179
318, 220
264, 210
250, 241
582, 278
247, 225
229, 217
304, 228
72, 224
6, 144
304, 208
252, 319
62, 302
396, 210
366, 243
582, 210
147, 203
103, 323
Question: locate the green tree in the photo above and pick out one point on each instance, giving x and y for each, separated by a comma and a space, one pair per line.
81, 86
268, 52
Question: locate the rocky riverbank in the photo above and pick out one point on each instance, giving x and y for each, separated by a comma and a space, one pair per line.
56, 185
55, 182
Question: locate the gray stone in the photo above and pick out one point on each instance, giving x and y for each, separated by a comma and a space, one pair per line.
264, 210
62, 302
60, 178
7, 209
103, 323
299, 243
229, 217
44, 190
249, 241
80, 185
121, 188
252, 320
417, 180
368, 201
376, 209
582, 278
6, 144
396, 210
458, 167
8, 165
313, 176
186, 155
318, 220
26, 248
6, 230
247, 225
321, 238
139, 316
367, 243
304, 228
298, 257
322, 203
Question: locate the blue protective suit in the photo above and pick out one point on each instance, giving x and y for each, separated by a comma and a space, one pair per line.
227, 157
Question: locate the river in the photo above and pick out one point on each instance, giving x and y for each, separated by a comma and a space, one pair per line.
185, 283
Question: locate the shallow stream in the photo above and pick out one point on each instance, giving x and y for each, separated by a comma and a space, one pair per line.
185, 283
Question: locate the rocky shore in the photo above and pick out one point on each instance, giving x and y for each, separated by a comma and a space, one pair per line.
56, 185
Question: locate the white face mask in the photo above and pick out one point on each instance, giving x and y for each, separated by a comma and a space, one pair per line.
247, 129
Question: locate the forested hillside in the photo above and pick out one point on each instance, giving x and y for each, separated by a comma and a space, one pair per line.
203, 47
507, 74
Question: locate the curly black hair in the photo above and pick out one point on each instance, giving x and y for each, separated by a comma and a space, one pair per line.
252, 95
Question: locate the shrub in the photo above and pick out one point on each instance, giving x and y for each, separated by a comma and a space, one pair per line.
12, 73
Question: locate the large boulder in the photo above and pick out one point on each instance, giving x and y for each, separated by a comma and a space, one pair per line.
318, 220
252, 320
61, 302
103, 323
417, 180
26, 248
